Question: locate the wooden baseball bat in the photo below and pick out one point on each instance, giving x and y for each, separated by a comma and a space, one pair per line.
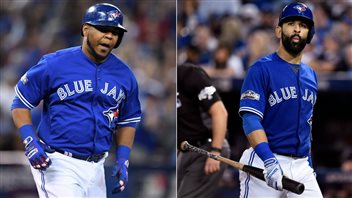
287, 183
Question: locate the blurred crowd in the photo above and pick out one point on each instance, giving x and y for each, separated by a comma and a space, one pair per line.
32, 28
226, 37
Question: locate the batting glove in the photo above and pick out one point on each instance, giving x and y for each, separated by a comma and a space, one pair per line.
121, 173
35, 150
273, 173
120, 169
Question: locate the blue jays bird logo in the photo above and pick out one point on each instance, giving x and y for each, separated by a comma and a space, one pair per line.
112, 15
113, 113
300, 8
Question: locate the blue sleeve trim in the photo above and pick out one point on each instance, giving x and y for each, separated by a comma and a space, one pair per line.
251, 122
243, 110
17, 103
22, 98
131, 120
263, 151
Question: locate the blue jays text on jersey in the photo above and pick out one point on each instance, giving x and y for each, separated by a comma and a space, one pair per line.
82, 101
283, 95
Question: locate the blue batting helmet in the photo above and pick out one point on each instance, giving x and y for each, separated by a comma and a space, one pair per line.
104, 14
298, 10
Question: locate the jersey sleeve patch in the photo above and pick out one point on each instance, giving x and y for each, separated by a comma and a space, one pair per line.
24, 79
207, 93
251, 95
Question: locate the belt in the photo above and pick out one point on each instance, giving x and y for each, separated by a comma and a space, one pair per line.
93, 158
291, 155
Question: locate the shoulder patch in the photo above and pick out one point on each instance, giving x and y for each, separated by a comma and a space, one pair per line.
251, 95
207, 93
24, 79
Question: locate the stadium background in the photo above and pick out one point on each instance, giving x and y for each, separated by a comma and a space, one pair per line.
31, 28
225, 37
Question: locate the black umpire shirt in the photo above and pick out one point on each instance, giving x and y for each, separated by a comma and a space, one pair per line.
195, 95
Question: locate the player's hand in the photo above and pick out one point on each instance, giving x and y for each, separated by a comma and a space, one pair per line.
211, 165
121, 173
35, 152
273, 173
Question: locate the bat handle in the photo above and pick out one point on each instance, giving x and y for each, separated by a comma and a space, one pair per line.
287, 183
292, 185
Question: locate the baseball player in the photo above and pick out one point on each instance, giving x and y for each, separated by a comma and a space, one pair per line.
276, 105
198, 103
90, 97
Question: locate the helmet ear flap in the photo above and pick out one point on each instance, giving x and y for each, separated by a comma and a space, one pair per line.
310, 34
119, 39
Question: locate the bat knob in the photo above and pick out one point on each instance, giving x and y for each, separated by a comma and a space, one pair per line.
184, 146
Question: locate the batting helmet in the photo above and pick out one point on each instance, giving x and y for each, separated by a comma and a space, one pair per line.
104, 14
298, 10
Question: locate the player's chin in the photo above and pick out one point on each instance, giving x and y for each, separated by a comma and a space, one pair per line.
104, 48
103, 51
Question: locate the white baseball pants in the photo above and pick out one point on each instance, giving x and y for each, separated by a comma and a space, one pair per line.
70, 177
294, 168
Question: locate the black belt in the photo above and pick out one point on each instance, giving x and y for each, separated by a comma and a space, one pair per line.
93, 158
291, 155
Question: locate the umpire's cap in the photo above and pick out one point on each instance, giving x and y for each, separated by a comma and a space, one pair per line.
298, 10
104, 14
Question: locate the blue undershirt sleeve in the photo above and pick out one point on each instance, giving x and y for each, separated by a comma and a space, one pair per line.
251, 122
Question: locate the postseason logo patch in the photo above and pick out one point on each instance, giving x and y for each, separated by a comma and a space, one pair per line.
24, 79
251, 95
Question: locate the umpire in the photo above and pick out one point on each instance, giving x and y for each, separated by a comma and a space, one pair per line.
202, 121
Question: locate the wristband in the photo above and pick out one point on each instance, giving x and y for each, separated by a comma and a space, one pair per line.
263, 151
122, 152
26, 131
215, 149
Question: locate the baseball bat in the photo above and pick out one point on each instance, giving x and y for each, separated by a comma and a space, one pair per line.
287, 183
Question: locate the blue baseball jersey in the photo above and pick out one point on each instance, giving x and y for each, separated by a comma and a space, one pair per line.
83, 102
283, 95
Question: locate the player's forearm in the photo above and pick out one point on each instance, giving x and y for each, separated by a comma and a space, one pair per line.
125, 136
219, 123
253, 129
21, 117
256, 137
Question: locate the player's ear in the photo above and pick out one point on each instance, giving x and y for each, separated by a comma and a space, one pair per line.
278, 31
85, 29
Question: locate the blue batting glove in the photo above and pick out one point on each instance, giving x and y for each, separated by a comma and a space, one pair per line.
121, 173
120, 170
273, 173
35, 150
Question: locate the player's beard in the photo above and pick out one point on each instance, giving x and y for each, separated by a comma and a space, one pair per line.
97, 57
293, 48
